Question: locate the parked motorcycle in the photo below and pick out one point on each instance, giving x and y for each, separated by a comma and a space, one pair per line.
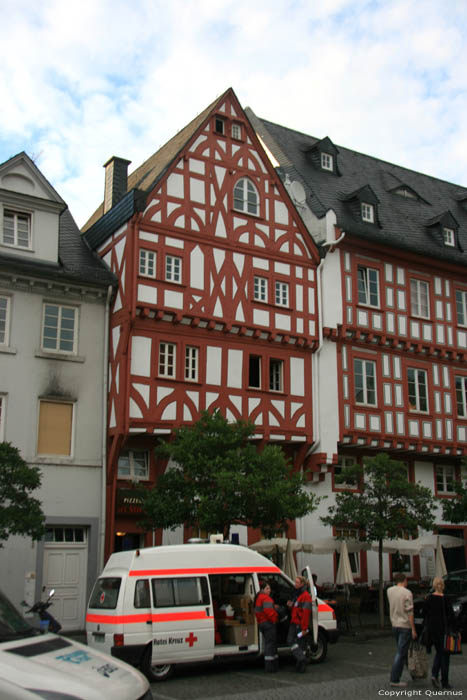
47, 621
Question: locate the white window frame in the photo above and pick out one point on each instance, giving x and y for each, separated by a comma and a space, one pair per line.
167, 363
276, 374
461, 307
246, 197
3, 402
132, 476
258, 360
420, 395
236, 132
173, 268
368, 375
260, 288
65, 455
368, 212
419, 298
368, 286
61, 321
147, 263
445, 474
219, 121
461, 396
5, 320
449, 236
327, 161
16, 213
354, 557
191, 363
281, 293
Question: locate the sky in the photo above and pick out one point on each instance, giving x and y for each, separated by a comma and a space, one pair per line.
83, 80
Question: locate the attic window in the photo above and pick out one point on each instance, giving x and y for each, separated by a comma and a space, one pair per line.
448, 236
236, 132
368, 212
405, 192
327, 161
219, 126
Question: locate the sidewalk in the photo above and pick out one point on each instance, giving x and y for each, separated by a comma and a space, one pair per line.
361, 628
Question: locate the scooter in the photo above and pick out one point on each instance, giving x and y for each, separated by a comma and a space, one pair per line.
47, 621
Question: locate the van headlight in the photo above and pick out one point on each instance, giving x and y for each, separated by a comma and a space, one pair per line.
457, 608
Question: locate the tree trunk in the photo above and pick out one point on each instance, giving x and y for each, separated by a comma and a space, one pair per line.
381, 584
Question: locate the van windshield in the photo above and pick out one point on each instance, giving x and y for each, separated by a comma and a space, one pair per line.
104, 595
12, 624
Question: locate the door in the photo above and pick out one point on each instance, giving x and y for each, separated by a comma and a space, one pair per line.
314, 603
65, 569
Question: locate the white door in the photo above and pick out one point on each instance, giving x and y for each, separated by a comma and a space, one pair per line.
65, 569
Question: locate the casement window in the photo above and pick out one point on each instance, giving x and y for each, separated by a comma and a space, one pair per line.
219, 125
461, 396
260, 289
133, 465
349, 533
147, 263
16, 229
191, 363
183, 591
417, 389
368, 212
281, 293
236, 132
276, 375
368, 286
365, 382
4, 320
2, 416
419, 298
173, 268
326, 161
339, 482
461, 307
254, 372
449, 236
59, 328
246, 197
167, 359
445, 476
55, 428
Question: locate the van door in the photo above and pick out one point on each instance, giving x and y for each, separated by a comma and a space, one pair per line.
314, 603
182, 619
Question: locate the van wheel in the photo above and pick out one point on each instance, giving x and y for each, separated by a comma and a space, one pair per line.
155, 672
317, 654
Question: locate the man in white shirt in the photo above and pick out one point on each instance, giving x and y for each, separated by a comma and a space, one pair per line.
403, 625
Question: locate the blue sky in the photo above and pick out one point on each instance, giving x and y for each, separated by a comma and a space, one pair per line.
82, 80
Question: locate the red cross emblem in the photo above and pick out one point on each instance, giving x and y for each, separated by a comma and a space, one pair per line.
191, 639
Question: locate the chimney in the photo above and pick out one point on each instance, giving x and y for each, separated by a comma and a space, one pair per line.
116, 181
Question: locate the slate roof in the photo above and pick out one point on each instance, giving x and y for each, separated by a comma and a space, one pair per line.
401, 222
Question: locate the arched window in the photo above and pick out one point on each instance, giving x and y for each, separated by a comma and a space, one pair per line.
246, 197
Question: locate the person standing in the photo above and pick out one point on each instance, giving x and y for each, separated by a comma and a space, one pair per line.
439, 619
266, 616
403, 625
299, 621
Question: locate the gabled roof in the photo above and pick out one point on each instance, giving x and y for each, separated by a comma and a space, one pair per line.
402, 220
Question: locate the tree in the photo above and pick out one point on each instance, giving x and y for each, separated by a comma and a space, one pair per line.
455, 509
220, 478
20, 513
386, 505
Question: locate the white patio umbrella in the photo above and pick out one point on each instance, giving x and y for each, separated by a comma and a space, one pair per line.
289, 562
440, 564
276, 544
398, 545
431, 541
344, 570
329, 545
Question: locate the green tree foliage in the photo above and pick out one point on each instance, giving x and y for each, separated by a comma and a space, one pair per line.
386, 505
20, 513
455, 509
220, 478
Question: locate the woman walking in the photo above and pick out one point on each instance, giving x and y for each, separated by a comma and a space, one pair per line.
439, 620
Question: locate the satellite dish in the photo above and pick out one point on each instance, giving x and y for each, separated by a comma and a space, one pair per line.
298, 192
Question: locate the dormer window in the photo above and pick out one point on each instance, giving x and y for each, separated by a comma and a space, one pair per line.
327, 162
16, 229
368, 212
406, 192
448, 237
219, 126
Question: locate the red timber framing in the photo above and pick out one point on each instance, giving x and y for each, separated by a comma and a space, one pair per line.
216, 305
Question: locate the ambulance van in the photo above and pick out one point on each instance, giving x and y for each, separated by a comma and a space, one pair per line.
161, 606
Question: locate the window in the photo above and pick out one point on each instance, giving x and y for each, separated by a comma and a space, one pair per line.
282, 293
461, 307
142, 598
260, 289
326, 161
16, 229
59, 328
365, 382
246, 197
349, 482
254, 372
417, 386
368, 286
173, 592
349, 533
461, 396
65, 534
2, 416
55, 428
4, 320
276, 372
448, 236
406, 192
167, 355
419, 298
368, 212
236, 131
445, 479
133, 465
147, 263
173, 268
219, 126
191, 363
104, 595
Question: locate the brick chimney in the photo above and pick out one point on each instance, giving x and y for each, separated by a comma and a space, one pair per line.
116, 181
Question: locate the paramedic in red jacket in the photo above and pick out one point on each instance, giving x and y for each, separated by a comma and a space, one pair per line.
266, 616
299, 621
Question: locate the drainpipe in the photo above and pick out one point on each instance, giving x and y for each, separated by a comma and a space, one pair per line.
105, 385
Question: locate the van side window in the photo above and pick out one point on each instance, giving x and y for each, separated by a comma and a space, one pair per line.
172, 592
142, 594
105, 593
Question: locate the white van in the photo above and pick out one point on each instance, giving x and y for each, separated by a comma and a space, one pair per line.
161, 606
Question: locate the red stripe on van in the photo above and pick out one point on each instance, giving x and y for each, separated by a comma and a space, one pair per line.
210, 570
157, 617
324, 607
117, 619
